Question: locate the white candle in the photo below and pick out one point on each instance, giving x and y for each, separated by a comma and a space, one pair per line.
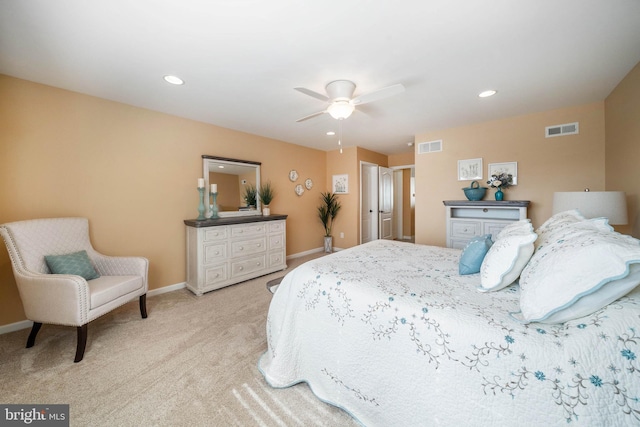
214, 188
200, 182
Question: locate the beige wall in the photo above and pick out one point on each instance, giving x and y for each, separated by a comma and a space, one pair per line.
133, 173
622, 119
545, 165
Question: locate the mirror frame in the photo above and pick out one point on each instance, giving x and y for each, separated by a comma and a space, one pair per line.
207, 161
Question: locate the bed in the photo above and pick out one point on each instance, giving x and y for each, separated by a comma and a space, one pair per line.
392, 333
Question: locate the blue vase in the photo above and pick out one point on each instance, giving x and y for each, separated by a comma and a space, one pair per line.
499, 194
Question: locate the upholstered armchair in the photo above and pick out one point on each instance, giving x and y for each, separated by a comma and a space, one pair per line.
69, 299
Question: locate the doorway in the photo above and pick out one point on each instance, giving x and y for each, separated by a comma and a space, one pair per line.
386, 202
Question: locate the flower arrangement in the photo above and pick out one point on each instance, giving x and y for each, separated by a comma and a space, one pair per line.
501, 181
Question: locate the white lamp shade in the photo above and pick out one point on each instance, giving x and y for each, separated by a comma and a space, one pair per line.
340, 109
594, 204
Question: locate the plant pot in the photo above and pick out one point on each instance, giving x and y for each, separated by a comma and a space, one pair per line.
328, 244
266, 211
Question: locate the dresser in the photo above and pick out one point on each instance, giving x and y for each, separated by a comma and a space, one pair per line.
225, 251
467, 219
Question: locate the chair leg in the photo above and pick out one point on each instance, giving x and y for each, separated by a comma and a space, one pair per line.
143, 306
82, 342
32, 336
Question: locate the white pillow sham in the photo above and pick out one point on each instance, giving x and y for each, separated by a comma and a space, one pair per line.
507, 257
583, 268
554, 225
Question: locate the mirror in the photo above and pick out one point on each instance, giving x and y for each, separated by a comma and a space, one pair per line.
232, 177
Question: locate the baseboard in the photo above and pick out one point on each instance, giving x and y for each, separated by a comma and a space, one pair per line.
305, 253
12, 327
166, 289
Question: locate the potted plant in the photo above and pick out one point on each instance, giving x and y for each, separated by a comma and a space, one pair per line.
250, 195
327, 213
266, 194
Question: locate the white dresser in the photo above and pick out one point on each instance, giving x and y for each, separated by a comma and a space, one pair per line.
467, 219
224, 251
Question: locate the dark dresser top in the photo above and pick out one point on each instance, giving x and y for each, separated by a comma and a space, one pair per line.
229, 220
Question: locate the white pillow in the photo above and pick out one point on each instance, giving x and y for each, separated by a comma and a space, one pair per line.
522, 226
547, 231
507, 257
583, 269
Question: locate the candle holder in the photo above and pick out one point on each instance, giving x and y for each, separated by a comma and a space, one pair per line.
214, 205
201, 207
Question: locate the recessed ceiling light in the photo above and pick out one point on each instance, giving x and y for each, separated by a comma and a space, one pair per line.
331, 133
173, 80
487, 93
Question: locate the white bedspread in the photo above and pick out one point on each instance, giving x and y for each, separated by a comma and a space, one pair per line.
391, 333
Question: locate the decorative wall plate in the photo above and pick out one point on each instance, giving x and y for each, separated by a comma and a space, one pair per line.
308, 183
293, 175
299, 189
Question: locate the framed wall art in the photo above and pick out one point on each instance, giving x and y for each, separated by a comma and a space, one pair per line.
341, 184
469, 169
507, 167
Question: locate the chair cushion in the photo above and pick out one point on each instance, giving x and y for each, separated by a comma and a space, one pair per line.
108, 288
77, 263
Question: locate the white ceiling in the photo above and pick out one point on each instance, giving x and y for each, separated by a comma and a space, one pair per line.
241, 59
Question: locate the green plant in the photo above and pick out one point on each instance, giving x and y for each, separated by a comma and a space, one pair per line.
266, 193
328, 211
250, 195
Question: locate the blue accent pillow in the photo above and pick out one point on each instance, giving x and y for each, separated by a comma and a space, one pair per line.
77, 263
473, 254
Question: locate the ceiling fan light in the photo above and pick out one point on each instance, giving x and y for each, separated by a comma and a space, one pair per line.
340, 109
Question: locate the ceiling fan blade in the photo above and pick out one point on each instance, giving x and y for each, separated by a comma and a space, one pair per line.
311, 116
309, 92
376, 95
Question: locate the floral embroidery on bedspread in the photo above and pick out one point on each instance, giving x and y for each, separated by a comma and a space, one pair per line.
421, 299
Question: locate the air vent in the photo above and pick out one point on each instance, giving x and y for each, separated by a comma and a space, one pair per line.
430, 147
562, 130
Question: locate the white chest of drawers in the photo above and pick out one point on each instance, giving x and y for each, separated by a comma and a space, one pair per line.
467, 219
229, 250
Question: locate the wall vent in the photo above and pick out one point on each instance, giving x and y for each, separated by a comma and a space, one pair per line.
430, 147
562, 130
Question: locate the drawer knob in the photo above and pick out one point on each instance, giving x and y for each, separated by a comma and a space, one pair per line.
217, 253
258, 245
240, 248
241, 268
258, 264
485, 210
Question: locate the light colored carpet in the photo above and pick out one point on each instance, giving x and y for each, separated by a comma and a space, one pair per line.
193, 362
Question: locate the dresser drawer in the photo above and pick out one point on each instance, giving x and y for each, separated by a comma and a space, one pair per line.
247, 266
215, 233
215, 274
248, 247
465, 229
494, 228
215, 252
276, 226
276, 241
276, 258
248, 230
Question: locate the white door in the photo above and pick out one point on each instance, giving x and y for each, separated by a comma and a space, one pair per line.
369, 203
385, 202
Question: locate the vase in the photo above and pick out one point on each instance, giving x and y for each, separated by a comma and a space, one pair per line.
328, 244
499, 194
266, 211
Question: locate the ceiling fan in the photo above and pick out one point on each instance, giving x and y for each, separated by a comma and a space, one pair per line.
340, 98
